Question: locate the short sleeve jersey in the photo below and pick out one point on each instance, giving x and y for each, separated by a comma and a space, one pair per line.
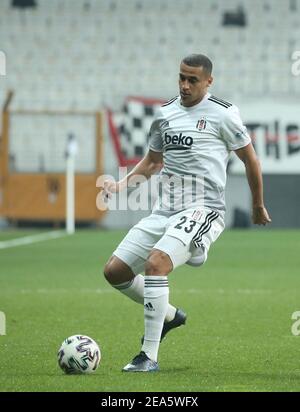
196, 143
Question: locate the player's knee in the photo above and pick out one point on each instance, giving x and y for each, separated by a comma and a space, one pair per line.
117, 272
158, 263
112, 273
108, 272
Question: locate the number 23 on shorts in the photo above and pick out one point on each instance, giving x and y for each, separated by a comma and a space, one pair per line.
184, 228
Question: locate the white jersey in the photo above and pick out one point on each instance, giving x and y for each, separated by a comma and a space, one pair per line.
196, 143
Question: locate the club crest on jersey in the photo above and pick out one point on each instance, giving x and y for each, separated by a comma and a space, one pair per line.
201, 124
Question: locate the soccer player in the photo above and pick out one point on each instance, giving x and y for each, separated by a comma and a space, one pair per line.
190, 142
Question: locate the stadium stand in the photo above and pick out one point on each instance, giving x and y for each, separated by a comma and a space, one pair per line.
85, 56
66, 54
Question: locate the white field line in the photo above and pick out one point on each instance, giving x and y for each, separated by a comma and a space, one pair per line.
112, 290
228, 291
65, 291
28, 240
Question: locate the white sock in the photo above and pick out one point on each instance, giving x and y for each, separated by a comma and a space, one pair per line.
156, 299
134, 289
170, 313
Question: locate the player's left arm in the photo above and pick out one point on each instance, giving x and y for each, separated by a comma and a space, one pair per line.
248, 156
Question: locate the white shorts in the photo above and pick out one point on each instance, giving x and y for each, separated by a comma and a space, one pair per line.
179, 236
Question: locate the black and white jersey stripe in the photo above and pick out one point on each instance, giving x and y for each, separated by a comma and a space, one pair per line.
205, 227
170, 101
219, 101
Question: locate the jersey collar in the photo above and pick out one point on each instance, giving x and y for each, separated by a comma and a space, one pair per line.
196, 106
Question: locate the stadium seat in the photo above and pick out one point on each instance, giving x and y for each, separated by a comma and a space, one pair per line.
48, 41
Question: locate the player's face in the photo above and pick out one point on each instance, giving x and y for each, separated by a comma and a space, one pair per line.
193, 84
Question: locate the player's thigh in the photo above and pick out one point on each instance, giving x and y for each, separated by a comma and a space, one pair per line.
178, 252
178, 236
190, 232
139, 241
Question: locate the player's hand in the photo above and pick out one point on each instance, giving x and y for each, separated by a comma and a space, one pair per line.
260, 215
109, 187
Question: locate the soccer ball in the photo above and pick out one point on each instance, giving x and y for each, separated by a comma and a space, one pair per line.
79, 354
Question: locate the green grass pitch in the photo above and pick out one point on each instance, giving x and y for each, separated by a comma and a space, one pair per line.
237, 337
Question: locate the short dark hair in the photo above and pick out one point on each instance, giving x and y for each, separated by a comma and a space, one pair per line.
197, 60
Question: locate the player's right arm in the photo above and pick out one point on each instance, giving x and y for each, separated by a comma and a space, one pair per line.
151, 163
